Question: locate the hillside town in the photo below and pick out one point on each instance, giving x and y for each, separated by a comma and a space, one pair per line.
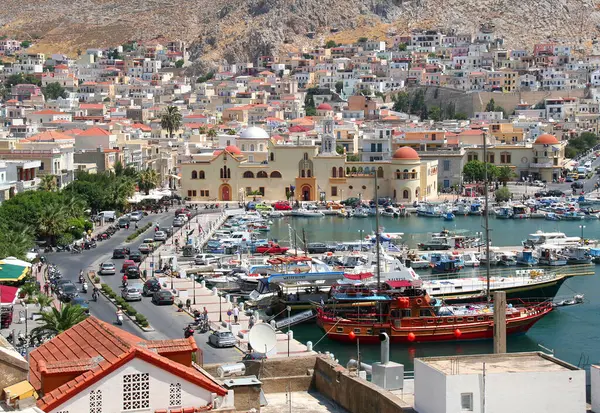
125, 171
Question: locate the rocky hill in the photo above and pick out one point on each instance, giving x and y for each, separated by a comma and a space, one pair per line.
243, 29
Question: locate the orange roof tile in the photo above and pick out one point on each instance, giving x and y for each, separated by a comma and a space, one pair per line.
141, 126
91, 106
48, 136
94, 349
48, 112
95, 131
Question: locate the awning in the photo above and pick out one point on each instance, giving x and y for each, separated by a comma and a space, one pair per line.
20, 391
8, 294
175, 176
12, 272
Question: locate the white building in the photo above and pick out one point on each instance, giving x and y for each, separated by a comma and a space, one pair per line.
498, 383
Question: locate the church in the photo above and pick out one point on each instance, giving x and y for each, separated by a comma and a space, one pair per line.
258, 166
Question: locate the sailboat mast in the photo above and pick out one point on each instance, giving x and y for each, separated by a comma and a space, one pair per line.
487, 215
377, 246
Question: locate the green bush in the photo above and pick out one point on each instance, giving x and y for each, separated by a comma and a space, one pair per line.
105, 287
131, 311
140, 319
96, 279
139, 232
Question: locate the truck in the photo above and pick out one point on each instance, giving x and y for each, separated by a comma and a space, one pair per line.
271, 248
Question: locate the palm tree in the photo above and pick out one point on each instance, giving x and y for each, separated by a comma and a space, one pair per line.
56, 321
171, 120
505, 174
48, 183
148, 180
43, 300
51, 221
212, 134
122, 190
15, 243
74, 206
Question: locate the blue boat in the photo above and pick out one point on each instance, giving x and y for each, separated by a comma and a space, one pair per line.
551, 216
504, 213
476, 209
444, 264
526, 258
449, 216
595, 254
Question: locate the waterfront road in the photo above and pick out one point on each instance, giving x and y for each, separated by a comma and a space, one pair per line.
166, 320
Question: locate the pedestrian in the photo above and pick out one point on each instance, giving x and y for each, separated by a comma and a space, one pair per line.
251, 322
188, 304
46, 288
236, 314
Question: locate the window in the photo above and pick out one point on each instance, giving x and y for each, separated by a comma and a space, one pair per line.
194, 175
262, 190
505, 157
446, 164
341, 172
262, 174
252, 148
272, 157
243, 148
201, 175
248, 174
303, 174
334, 191
41, 166
275, 174
466, 402
334, 172
491, 158
189, 192
308, 173
136, 391
96, 401
194, 193
306, 156
405, 194
380, 172
174, 394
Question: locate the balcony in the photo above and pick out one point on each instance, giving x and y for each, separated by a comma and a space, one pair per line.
30, 185
541, 165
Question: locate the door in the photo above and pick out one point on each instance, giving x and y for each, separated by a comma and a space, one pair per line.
306, 193
225, 193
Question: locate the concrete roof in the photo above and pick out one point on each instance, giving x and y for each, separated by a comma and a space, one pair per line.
497, 363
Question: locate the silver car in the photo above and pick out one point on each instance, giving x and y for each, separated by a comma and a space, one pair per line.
136, 215
160, 236
222, 339
177, 222
107, 268
132, 293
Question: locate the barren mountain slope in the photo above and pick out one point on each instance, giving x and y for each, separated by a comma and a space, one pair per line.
239, 30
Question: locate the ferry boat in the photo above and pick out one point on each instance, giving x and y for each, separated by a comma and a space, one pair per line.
408, 314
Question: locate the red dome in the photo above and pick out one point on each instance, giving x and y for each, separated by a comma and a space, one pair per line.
406, 152
546, 139
234, 150
324, 106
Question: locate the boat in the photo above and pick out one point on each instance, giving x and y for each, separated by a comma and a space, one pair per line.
361, 213
449, 216
435, 244
550, 255
551, 216
408, 314
307, 213
521, 211
275, 214
577, 255
595, 254
494, 257
470, 259
504, 213
444, 264
508, 259
526, 258
429, 210
476, 209
550, 238
390, 211
417, 262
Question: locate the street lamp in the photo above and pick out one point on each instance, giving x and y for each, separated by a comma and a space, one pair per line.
582, 227
220, 312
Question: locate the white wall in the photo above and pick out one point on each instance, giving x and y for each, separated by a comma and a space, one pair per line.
112, 391
595, 387
430, 389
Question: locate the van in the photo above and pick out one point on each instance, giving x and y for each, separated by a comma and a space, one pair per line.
109, 216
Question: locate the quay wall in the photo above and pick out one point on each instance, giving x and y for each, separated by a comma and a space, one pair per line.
350, 392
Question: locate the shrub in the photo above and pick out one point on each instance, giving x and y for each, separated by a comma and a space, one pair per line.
131, 311
104, 287
139, 231
96, 279
141, 319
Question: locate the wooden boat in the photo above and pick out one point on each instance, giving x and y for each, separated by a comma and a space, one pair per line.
411, 315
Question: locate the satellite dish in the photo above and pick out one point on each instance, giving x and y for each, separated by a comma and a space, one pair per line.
262, 338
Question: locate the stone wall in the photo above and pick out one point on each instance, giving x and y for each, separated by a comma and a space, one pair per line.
350, 392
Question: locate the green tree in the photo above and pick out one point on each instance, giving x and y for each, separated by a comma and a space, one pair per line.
229, 132
461, 116
330, 44
25, 44
473, 171
435, 114
179, 64
491, 106
52, 222
171, 120
118, 168
339, 86
206, 77
212, 134
20, 79
402, 47
48, 183
43, 300
148, 179
309, 106
402, 102
503, 194
15, 243
505, 174
56, 321
54, 90
362, 40
339, 149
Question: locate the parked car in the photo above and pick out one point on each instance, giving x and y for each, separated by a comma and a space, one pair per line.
127, 264
184, 211
282, 206
319, 248
160, 236
271, 248
132, 293
82, 302
163, 297
135, 256
178, 222
263, 207
146, 248
123, 222
205, 259
119, 253
67, 291
151, 286
136, 215
351, 202
222, 339
555, 192
107, 268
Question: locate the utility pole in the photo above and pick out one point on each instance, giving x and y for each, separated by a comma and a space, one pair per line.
499, 322
304, 241
487, 215
377, 246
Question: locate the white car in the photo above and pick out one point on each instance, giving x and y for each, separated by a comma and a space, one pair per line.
160, 236
107, 268
206, 259
132, 293
183, 217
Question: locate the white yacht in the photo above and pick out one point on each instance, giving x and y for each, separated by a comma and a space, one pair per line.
550, 238
306, 213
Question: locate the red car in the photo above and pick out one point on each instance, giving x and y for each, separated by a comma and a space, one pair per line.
282, 206
271, 248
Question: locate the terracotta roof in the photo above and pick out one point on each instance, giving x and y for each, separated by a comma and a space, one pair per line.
144, 128
324, 106
48, 112
48, 136
95, 131
546, 139
91, 106
73, 132
95, 349
406, 152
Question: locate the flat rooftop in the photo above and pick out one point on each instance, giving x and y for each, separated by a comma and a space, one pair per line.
498, 363
302, 402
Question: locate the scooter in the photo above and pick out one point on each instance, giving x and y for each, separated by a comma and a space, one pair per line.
84, 287
95, 295
120, 319
188, 331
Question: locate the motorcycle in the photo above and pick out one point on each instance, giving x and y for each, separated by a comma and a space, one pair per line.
76, 249
188, 331
84, 287
120, 319
95, 295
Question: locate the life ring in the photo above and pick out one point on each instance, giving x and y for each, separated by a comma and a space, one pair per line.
419, 301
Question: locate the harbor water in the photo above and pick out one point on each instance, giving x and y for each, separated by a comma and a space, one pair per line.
571, 332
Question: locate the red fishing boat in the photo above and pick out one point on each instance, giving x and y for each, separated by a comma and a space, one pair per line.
408, 314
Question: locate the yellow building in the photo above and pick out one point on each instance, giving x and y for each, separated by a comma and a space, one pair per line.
506, 133
311, 173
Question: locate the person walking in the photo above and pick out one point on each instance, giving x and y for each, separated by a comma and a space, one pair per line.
236, 314
251, 322
188, 304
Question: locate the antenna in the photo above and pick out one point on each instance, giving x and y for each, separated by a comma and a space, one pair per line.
262, 338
